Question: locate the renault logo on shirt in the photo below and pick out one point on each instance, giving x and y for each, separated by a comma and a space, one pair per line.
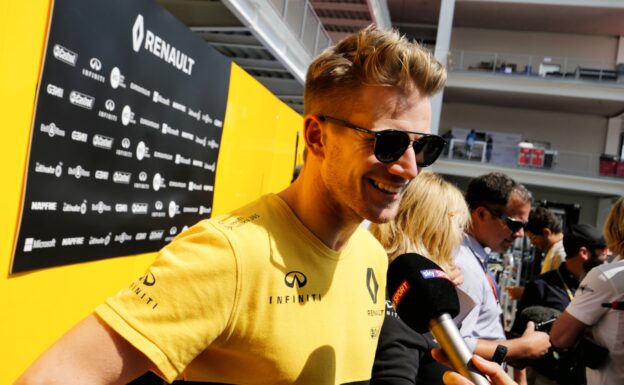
295, 277
371, 284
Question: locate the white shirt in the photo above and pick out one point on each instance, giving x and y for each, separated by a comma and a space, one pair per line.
604, 283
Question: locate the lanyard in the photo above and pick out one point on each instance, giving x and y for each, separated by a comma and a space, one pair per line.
487, 274
570, 295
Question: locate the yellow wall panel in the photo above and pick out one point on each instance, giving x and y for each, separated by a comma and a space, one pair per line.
256, 156
258, 145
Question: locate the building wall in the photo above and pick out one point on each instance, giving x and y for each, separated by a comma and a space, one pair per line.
595, 51
589, 132
38, 307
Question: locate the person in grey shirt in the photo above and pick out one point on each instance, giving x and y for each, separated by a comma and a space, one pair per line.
499, 210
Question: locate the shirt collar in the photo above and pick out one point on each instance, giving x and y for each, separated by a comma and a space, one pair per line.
481, 252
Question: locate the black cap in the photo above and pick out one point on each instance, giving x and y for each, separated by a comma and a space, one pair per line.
582, 235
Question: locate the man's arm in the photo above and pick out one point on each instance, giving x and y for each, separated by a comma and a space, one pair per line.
532, 344
566, 330
90, 353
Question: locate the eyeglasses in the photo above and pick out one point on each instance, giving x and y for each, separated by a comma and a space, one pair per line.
391, 144
514, 225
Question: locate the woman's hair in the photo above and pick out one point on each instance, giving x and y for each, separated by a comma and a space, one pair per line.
614, 228
370, 57
431, 219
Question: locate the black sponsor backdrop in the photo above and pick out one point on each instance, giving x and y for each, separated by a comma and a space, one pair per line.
99, 38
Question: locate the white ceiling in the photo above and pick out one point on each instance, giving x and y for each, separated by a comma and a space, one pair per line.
212, 20
584, 20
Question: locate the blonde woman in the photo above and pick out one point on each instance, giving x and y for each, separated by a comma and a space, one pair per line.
431, 220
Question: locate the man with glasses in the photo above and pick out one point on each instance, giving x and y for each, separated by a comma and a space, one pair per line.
288, 289
499, 209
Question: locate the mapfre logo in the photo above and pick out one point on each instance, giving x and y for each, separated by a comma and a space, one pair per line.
295, 278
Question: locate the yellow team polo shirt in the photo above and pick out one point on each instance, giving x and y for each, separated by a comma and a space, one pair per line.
253, 297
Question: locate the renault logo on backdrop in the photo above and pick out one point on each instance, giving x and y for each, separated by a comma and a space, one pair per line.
295, 277
137, 33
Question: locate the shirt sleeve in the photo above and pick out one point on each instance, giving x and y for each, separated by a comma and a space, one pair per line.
182, 303
592, 292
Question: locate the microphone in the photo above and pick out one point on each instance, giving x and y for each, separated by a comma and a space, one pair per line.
542, 316
614, 305
425, 298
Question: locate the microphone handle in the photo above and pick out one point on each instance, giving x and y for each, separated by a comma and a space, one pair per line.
446, 333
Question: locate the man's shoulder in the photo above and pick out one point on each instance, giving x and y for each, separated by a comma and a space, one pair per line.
258, 211
548, 278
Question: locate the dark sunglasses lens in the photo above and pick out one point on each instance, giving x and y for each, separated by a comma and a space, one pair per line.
514, 225
428, 149
390, 145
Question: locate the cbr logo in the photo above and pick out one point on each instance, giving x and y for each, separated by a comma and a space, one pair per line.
295, 277
149, 279
95, 64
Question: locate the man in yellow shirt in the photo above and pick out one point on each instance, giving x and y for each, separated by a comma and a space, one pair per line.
288, 289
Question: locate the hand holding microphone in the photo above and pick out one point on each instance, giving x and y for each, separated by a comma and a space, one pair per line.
425, 299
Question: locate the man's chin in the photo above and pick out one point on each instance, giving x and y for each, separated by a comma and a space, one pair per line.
382, 217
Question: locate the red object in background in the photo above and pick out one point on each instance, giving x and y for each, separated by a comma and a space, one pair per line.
524, 156
608, 165
619, 169
537, 157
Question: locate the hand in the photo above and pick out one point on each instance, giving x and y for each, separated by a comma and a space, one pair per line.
455, 274
515, 292
494, 371
536, 343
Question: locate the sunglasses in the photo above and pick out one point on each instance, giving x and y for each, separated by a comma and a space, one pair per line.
513, 224
390, 145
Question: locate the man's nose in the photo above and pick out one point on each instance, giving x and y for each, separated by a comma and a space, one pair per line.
405, 166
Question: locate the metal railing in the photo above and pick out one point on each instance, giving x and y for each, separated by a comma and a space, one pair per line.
556, 161
535, 65
303, 21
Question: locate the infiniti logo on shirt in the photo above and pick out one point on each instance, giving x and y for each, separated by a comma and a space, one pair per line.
295, 277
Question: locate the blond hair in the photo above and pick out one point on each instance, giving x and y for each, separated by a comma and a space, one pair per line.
371, 57
431, 219
614, 228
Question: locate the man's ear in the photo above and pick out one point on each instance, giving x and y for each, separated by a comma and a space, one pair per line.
479, 213
584, 253
546, 232
313, 135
